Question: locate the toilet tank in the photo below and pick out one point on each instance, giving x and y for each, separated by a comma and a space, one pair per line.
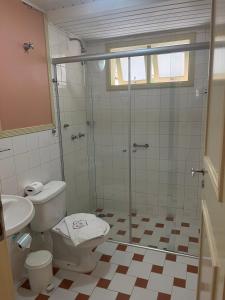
50, 206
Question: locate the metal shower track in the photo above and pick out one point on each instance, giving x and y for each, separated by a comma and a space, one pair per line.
133, 53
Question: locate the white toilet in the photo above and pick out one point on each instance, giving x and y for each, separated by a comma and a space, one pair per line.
50, 210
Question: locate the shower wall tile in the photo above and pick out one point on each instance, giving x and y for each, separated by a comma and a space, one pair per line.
72, 100
171, 121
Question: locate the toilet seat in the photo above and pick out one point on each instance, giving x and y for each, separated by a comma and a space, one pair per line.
61, 227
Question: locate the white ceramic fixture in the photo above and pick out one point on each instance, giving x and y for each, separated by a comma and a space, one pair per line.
17, 212
50, 211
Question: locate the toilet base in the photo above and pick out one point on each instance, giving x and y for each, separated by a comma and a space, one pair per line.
86, 263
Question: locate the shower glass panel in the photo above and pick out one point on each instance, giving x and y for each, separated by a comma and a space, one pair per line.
108, 124
72, 101
167, 141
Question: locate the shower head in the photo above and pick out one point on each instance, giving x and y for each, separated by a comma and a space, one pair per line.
83, 50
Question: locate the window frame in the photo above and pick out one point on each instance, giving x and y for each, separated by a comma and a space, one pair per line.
148, 42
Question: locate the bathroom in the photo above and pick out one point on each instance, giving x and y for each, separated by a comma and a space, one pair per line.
113, 135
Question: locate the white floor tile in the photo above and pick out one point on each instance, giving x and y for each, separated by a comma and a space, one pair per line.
187, 260
64, 294
192, 281
154, 257
140, 269
84, 284
133, 249
184, 294
122, 258
107, 248
122, 283
66, 274
160, 283
104, 270
103, 294
175, 269
143, 294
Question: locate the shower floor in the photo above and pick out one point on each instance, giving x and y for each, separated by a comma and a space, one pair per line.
168, 233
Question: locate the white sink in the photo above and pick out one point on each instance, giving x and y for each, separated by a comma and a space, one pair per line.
17, 212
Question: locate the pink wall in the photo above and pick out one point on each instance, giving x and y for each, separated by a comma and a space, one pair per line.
24, 82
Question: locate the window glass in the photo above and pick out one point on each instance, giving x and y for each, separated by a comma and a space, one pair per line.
163, 68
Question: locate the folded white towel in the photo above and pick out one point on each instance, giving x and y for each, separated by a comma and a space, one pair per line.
83, 227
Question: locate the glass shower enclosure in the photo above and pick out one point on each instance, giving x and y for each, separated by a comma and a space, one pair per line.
128, 152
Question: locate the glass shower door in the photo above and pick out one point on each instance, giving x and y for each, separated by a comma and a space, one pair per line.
167, 141
108, 123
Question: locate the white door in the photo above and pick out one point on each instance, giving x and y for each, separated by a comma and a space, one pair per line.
212, 257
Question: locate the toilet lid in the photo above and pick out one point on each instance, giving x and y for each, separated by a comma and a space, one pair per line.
61, 227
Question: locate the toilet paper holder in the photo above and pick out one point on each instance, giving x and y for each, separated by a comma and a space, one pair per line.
23, 240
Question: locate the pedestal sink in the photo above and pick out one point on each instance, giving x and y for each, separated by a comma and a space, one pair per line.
17, 212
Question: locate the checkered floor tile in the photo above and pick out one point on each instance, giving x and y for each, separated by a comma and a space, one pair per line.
167, 233
122, 273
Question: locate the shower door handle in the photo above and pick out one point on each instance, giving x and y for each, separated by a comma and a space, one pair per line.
141, 146
196, 171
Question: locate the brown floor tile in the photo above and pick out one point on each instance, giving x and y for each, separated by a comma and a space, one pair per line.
136, 240
121, 220
193, 239
164, 239
183, 248
101, 215
26, 285
134, 225
66, 284
109, 215
122, 269
159, 225
121, 296
42, 297
185, 224
169, 218
141, 282
105, 258
121, 247
192, 269
175, 231
82, 297
138, 257
55, 270
148, 232
179, 282
121, 232
103, 283
157, 269
145, 219
163, 296
170, 256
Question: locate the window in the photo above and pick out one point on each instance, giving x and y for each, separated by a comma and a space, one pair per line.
155, 70
119, 68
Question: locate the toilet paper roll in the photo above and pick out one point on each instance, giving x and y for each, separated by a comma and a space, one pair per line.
24, 241
33, 188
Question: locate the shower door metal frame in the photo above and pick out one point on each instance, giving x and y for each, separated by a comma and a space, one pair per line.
134, 53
